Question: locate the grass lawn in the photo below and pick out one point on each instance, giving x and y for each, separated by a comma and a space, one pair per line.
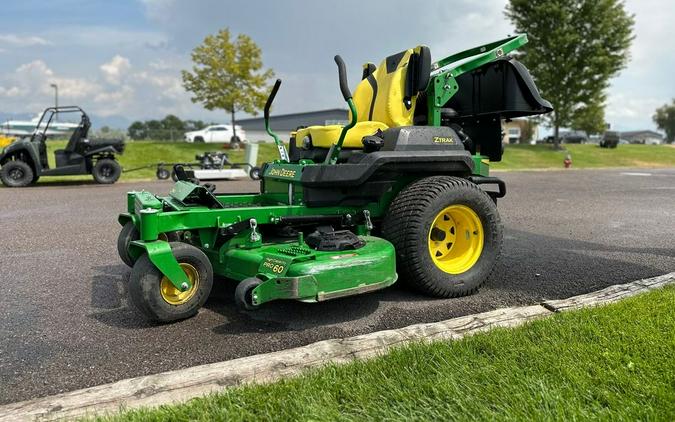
141, 153
516, 157
610, 363
524, 157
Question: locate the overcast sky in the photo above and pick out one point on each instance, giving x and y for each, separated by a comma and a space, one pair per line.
123, 58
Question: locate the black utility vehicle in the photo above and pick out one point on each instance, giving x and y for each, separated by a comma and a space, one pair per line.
25, 160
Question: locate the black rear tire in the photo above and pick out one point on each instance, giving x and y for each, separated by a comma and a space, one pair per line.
16, 174
408, 225
146, 280
106, 171
128, 234
242, 295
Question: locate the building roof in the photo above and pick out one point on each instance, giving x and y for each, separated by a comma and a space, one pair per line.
293, 120
636, 133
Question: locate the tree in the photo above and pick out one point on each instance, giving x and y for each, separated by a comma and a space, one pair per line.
526, 130
590, 118
171, 122
665, 120
228, 75
575, 47
137, 130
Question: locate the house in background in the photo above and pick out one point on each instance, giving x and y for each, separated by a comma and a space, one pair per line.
647, 137
284, 124
514, 130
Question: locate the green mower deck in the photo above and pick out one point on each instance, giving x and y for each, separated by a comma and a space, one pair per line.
349, 217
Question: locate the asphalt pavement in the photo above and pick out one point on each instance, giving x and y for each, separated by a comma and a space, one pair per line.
66, 322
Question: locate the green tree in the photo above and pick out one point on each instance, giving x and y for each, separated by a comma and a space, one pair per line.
138, 130
172, 127
228, 75
665, 120
591, 118
171, 122
575, 47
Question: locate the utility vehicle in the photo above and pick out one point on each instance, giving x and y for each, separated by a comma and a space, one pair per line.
349, 209
25, 160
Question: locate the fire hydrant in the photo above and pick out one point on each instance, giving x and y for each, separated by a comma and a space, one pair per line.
568, 160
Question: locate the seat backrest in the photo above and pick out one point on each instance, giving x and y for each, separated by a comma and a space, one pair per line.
80, 132
388, 93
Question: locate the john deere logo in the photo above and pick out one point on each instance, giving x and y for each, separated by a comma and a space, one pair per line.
443, 140
282, 172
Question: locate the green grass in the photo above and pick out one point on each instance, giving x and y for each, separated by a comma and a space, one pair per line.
525, 157
516, 157
141, 153
610, 363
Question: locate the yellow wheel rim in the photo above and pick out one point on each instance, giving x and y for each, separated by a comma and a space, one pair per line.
174, 296
456, 239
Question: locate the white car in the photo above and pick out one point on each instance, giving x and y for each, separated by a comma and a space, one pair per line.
216, 133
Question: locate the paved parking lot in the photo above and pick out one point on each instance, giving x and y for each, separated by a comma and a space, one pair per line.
66, 323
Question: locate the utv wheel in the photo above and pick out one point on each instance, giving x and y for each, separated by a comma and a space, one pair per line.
155, 296
16, 174
447, 234
106, 171
162, 173
243, 294
254, 173
128, 234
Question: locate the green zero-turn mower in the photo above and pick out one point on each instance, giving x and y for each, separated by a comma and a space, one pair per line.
348, 209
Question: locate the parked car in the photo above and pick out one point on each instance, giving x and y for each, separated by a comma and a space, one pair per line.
217, 134
574, 137
610, 139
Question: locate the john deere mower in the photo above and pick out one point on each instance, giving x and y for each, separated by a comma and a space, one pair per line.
402, 190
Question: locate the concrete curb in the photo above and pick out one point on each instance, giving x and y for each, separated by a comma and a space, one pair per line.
181, 385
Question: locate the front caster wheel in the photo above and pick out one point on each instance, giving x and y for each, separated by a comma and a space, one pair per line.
153, 294
128, 234
243, 295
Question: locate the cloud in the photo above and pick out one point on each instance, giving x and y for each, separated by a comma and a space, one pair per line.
115, 69
9, 92
22, 41
28, 88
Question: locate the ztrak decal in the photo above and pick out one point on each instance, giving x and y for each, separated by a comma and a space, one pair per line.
443, 140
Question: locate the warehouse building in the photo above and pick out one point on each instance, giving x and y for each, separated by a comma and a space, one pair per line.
284, 124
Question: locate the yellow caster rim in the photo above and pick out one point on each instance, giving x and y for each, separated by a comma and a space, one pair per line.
456, 239
174, 296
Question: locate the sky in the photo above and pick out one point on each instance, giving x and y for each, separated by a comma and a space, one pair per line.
121, 60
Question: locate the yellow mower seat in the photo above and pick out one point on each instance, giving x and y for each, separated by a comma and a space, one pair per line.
385, 97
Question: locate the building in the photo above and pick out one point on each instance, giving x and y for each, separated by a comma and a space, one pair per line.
648, 137
284, 124
515, 129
